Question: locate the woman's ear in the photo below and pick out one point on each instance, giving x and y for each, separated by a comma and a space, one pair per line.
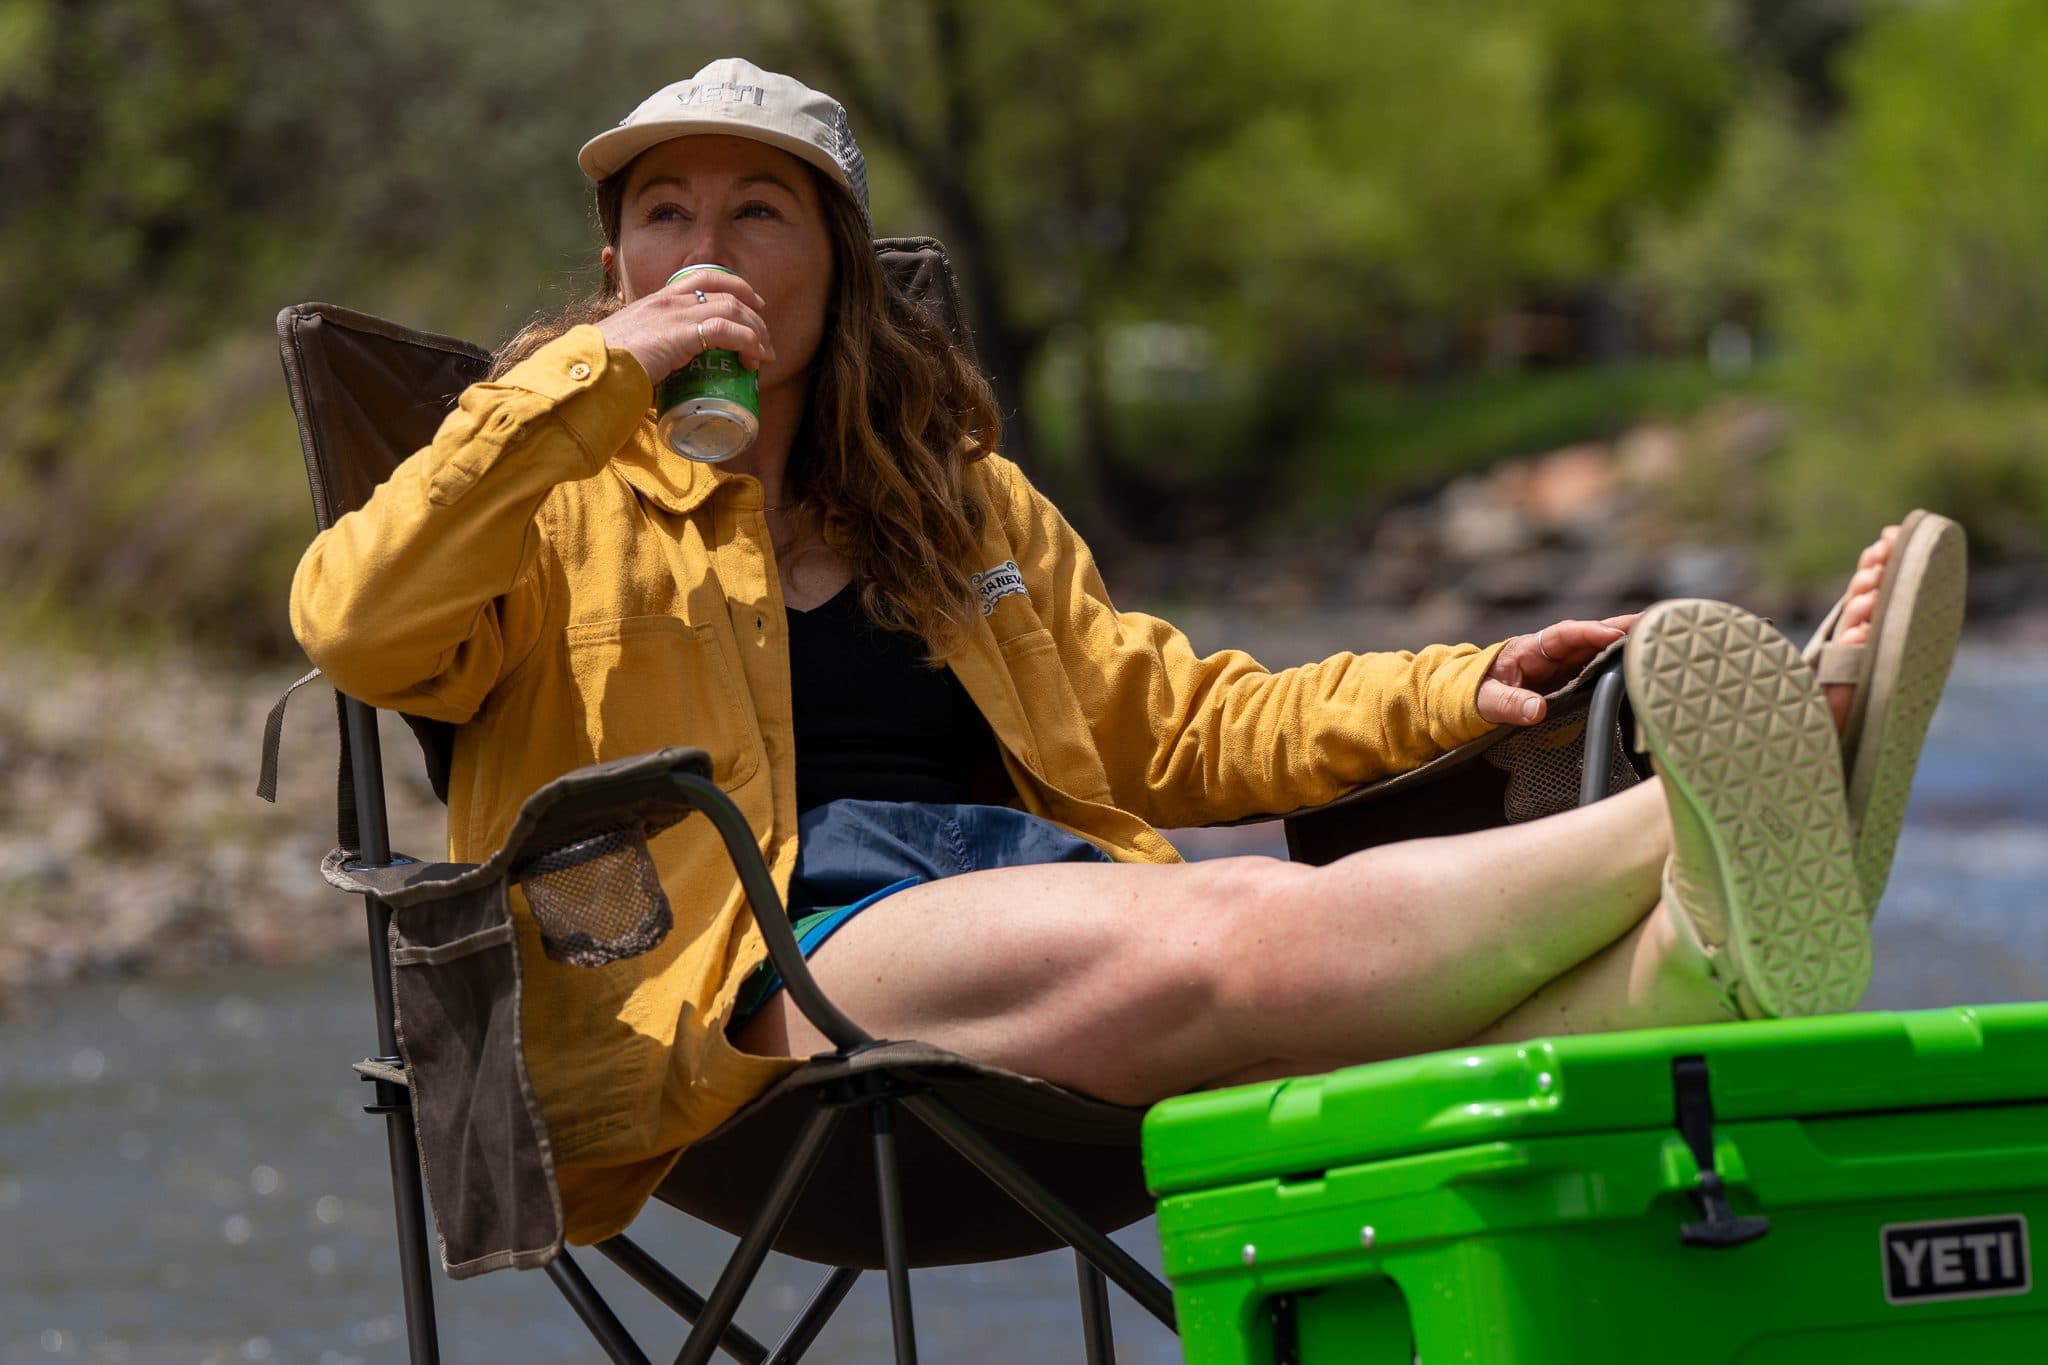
607, 258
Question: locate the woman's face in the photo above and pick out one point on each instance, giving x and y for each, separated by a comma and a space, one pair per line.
715, 200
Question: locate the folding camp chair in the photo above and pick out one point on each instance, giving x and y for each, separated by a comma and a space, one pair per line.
1005, 1165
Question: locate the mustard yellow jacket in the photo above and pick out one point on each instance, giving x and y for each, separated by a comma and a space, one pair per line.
547, 577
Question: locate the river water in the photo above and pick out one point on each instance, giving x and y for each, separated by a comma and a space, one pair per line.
186, 1174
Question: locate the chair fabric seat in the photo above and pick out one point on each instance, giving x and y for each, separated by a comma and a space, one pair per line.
1084, 1150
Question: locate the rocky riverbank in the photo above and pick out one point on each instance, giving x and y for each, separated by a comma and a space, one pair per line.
1586, 530
131, 839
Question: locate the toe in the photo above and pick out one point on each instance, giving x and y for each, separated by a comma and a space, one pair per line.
1857, 611
1841, 697
1854, 626
1878, 551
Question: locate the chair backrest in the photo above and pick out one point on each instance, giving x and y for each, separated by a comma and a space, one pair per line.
368, 393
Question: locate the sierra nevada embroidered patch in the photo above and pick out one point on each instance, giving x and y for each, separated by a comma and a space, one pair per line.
1004, 580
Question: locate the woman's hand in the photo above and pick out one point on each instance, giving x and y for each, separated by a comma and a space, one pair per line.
705, 310
1540, 661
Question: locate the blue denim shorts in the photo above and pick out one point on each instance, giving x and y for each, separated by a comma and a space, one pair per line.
851, 854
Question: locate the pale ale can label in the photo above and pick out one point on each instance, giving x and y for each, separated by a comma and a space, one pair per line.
711, 407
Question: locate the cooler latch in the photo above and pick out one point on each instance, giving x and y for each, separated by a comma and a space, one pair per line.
1718, 1226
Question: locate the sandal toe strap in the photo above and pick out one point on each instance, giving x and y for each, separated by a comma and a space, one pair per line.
1711, 961
1839, 663
1823, 634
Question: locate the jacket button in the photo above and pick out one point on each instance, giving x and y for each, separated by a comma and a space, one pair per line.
579, 371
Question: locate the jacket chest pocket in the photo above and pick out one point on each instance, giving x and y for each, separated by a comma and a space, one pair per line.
645, 682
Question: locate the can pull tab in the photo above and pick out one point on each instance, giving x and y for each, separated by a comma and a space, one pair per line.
1718, 1227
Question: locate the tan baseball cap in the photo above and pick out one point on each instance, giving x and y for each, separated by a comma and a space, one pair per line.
737, 98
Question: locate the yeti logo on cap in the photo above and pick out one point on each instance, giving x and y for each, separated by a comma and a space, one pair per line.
713, 92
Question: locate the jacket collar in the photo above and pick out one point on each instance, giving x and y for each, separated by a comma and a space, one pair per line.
671, 482
680, 486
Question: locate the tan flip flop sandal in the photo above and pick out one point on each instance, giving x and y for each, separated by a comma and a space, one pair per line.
1762, 878
1898, 676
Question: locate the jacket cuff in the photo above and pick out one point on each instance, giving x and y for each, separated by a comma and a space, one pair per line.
600, 393
1453, 696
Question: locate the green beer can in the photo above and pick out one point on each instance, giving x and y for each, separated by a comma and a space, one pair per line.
710, 408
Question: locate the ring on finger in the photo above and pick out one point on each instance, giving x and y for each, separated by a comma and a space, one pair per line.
702, 344
703, 297
1541, 650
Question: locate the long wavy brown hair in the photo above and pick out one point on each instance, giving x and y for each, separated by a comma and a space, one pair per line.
897, 413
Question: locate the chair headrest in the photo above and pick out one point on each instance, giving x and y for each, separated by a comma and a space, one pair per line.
367, 394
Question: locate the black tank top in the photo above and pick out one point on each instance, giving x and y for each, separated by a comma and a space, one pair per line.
873, 720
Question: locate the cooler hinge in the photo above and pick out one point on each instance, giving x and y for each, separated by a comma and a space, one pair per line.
1718, 1226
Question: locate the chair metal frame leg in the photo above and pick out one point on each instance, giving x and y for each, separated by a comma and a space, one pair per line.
745, 1264
687, 1304
394, 1102
804, 1330
895, 1244
597, 1315
408, 1202
1150, 1293
1097, 1335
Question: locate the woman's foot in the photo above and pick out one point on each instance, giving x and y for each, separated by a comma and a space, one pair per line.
1882, 658
1852, 624
1761, 883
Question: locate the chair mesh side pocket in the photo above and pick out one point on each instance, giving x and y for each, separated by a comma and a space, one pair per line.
598, 900
483, 1144
1544, 764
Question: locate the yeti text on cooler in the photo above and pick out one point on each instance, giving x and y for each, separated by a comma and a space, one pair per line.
1968, 1258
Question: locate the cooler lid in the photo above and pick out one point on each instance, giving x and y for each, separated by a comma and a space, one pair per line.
1593, 1083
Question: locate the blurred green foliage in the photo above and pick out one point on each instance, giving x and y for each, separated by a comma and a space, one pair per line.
177, 170
1306, 252
1912, 285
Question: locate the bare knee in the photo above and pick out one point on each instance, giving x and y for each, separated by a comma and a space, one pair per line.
1159, 1012
1282, 929
1241, 918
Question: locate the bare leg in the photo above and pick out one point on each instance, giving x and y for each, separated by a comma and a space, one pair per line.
1645, 979
1134, 983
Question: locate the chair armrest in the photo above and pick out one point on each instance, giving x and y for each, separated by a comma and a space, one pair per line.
647, 793
401, 881
769, 912
1453, 794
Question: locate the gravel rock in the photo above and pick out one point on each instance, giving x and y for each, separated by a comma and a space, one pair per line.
131, 838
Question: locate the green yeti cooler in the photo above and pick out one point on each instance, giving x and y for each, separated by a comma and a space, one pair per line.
1857, 1188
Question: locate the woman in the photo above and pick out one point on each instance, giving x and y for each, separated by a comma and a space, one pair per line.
980, 836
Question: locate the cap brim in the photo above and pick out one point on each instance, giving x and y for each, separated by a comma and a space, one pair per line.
611, 151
